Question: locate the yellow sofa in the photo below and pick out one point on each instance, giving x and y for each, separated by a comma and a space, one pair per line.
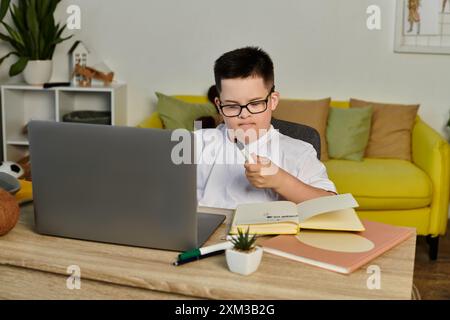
399, 192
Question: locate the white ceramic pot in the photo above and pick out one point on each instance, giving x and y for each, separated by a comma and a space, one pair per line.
242, 262
38, 72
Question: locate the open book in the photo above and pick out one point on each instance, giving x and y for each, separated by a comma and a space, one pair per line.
284, 217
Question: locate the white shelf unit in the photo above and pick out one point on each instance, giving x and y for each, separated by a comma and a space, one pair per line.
22, 103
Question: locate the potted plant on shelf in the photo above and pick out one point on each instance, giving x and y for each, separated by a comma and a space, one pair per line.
244, 258
33, 36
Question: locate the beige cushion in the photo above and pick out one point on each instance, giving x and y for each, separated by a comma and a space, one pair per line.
392, 124
313, 113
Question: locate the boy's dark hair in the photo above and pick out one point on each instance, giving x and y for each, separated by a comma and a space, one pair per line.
243, 63
212, 94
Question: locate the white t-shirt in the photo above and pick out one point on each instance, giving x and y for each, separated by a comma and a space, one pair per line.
221, 180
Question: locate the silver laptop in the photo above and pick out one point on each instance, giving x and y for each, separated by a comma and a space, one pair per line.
116, 185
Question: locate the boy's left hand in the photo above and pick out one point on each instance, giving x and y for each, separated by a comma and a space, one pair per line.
264, 173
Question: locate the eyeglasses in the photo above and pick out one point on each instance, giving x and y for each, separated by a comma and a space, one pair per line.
254, 107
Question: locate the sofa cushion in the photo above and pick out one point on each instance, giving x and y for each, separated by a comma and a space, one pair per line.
313, 113
154, 121
177, 114
348, 132
384, 184
392, 125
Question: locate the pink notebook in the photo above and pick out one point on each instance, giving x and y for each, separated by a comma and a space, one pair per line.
342, 252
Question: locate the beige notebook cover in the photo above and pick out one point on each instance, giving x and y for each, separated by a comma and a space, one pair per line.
342, 252
284, 217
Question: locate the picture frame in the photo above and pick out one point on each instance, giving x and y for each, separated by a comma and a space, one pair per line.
422, 26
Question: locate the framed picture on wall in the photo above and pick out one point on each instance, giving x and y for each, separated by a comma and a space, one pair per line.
422, 26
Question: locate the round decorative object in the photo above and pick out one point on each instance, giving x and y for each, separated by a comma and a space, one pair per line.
9, 212
9, 183
38, 72
12, 168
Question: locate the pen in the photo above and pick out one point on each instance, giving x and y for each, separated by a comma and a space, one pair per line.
180, 262
205, 250
244, 152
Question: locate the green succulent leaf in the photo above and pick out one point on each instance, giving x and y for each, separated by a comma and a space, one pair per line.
243, 241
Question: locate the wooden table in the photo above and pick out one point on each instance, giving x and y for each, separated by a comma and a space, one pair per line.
35, 267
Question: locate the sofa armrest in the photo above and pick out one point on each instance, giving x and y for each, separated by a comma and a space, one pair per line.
154, 121
430, 152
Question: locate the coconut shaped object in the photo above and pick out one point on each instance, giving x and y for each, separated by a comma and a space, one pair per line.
9, 212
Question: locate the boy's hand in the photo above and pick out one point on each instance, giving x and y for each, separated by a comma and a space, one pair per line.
263, 174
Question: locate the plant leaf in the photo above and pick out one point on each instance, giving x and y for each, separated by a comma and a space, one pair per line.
4, 5
12, 42
33, 25
18, 67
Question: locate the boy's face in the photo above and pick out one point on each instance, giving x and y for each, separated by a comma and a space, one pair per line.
241, 91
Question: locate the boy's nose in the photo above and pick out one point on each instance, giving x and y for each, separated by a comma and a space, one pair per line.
244, 114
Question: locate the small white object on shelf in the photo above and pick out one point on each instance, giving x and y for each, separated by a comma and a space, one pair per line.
78, 54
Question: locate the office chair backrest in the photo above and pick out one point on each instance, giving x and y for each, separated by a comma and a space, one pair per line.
300, 132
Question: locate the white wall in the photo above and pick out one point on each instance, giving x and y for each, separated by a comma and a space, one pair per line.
320, 48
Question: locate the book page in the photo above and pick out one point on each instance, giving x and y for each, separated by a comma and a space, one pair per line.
313, 207
342, 220
268, 212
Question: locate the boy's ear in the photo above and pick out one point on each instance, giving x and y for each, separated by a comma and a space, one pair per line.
275, 98
217, 104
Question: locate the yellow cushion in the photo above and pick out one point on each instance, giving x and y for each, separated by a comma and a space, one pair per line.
414, 218
154, 121
25, 194
382, 183
340, 104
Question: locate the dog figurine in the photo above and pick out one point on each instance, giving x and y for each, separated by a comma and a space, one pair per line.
89, 73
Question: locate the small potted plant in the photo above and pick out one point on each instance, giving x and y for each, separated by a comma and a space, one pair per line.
33, 36
244, 258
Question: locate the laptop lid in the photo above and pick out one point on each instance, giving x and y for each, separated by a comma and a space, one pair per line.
112, 184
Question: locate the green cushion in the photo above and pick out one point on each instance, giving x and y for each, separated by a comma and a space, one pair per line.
177, 114
348, 132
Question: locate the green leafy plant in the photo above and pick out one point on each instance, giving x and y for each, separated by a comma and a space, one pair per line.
34, 34
243, 241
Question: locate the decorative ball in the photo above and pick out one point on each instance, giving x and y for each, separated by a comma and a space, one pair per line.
9, 212
12, 168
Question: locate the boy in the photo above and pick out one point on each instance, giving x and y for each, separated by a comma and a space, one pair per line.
247, 98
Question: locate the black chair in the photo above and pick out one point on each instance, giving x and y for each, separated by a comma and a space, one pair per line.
299, 131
